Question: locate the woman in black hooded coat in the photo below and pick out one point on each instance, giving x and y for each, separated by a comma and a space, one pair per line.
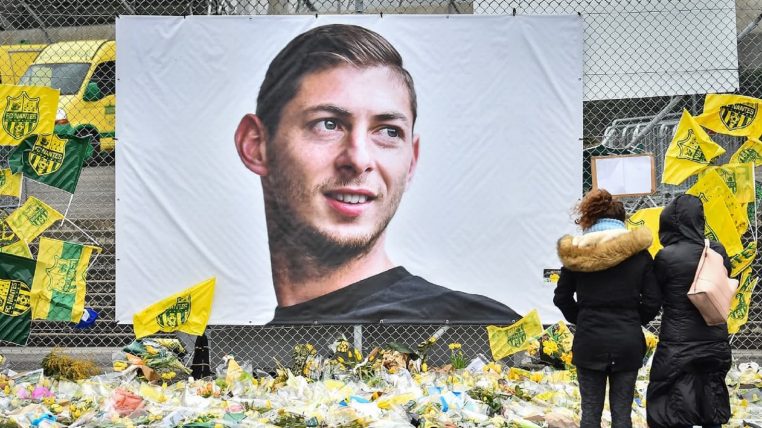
687, 385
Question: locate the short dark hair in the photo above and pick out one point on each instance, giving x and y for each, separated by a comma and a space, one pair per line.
598, 204
319, 49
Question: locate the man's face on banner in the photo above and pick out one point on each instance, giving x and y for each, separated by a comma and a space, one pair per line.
343, 154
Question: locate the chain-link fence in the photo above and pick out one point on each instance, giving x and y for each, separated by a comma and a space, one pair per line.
69, 44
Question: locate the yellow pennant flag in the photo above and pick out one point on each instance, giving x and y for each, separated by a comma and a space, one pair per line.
750, 151
187, 311
647, 217
58, 288
739, 177
743, 260
732, 115
719, 226
505, 341
27, 110
32, 218
711, 186
10, 243
10, 183
739, 308
689, 152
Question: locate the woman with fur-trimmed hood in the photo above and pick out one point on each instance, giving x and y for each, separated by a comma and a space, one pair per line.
611, 272
687, 385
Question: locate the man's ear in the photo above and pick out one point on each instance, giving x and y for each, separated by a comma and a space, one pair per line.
414, 160
250, 141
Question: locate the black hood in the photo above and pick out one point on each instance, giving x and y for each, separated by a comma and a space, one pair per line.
682, 220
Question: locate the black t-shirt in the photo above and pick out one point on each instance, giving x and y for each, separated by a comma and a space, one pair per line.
396, 296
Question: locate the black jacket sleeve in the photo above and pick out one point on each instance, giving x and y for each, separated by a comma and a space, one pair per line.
564, 296
650, 291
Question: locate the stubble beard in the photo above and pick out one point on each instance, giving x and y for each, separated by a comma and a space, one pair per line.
299, 250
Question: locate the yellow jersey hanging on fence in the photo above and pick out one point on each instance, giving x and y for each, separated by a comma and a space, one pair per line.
27, 110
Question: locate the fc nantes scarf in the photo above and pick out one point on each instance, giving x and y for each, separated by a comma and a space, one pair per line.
16, 276
58, 290
51, 159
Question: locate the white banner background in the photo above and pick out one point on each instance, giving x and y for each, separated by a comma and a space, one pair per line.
500, 120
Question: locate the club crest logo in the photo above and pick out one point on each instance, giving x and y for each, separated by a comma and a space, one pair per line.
176, 315
14, 297
7, 235
47, 154
749, 155
61, 277
729, 178
738, 116
690, 149
21, 115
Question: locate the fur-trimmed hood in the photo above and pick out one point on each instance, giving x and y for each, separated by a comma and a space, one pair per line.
597, 251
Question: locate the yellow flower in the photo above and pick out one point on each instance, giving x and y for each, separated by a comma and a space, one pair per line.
492, 367
168, 375
549, 347
533, 347
358, 355
340, 359
454, 346
554, 277
566, 357
651, 341
432, 339
120, 366
536, 377
424, 367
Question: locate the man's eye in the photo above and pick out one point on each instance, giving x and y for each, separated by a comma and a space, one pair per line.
330, 125
391, 132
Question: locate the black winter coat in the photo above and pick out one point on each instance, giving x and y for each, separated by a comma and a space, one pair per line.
611, 273
687, 385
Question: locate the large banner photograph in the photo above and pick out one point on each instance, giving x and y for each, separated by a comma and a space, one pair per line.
347, 169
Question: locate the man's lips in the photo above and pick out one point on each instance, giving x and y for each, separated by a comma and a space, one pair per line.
350, 202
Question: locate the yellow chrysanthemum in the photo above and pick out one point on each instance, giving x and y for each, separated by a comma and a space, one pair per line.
549, 347
454, 346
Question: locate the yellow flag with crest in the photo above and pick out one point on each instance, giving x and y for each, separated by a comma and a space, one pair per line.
32, 218
739, 308
647, 217
750, 151
689, 152
732, 114
27, 110
711, 186
187, 311
505, 341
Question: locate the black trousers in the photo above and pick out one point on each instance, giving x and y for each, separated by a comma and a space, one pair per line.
592, 389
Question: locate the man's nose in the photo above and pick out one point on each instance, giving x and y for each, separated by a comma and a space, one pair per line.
355, 158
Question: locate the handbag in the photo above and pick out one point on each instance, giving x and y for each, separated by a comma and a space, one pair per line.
712, 291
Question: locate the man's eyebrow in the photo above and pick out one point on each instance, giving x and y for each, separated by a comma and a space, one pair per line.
390, 116
329, 108
343, 113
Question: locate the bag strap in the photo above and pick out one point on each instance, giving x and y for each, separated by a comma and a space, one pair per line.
700, 265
